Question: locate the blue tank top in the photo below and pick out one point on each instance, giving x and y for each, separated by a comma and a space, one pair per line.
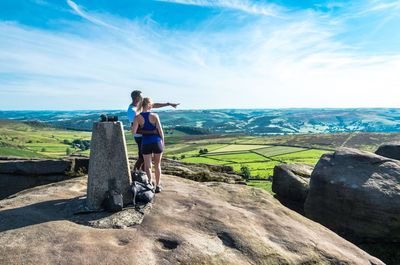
148, 126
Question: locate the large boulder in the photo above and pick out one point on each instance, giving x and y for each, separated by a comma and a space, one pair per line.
189, 223
17, 174
356, 194
35, 167
390, 150
291, 181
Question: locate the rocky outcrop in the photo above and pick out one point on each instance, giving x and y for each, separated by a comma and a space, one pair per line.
17, 174
80, 164
41, 167
189, 223
356, 194
390, 150
291, 181
35, 167
11, 184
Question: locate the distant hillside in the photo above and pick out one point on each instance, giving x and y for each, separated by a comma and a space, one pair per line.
37, 139
252, 122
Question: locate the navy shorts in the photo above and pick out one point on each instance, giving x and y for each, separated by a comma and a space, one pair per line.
153, 148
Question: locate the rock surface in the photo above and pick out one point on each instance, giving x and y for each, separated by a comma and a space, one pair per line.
390, 150
109, 165
11, 184
35, 167
291, 181
356, 194
189, 223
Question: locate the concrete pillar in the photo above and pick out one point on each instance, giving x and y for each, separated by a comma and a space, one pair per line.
109, 165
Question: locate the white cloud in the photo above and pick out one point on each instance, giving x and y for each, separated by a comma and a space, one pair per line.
268, 63
88, 17
242, 5
381, 5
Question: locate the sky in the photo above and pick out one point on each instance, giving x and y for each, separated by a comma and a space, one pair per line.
87, 54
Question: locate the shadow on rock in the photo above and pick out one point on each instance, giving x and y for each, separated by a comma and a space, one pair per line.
72, 210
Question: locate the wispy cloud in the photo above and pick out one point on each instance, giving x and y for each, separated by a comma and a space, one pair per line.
88, 17
296, 62
379, 5
242, 5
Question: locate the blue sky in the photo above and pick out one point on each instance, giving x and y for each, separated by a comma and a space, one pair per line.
86, 54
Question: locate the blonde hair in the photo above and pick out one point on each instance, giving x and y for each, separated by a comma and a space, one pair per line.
146, 102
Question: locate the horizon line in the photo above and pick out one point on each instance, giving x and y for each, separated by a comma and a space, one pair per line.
193, 109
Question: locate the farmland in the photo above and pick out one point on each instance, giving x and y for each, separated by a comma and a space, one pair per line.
259, 159
259, 154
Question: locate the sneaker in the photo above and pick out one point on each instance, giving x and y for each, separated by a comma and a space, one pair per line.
158, 189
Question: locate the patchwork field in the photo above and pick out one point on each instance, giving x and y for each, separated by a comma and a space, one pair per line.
260, 160
258, 154
25, 140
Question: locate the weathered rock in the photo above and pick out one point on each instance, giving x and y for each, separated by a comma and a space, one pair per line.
390, 150
356, 194
17, 158
109, 165
11, 184
35, 167
80, 164
291, 181
129, 216
189, 223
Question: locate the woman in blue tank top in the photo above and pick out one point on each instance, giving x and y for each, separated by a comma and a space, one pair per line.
152, 145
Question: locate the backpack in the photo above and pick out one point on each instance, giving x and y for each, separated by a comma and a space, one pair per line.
140, 176
142, 193
113, 201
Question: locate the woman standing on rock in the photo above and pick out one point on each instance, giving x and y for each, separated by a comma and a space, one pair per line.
133, 109
152, 145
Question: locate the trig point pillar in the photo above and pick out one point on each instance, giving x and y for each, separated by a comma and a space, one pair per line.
109, 165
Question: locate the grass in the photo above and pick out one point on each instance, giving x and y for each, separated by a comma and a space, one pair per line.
306, 157
20, 139
7, 151
238, 158
204, 160
278, 150
265, 185
258, 170
237, 147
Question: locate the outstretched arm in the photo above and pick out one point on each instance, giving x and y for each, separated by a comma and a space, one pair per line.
162, 105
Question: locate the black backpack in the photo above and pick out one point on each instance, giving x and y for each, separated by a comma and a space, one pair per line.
113, 201
140, 176
142, 193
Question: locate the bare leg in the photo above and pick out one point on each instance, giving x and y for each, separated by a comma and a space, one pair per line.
147, 166
157, 165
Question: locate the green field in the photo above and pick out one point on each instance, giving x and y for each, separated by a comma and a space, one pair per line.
259, 154
236, 147
278, 150
19, 139
260, 162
